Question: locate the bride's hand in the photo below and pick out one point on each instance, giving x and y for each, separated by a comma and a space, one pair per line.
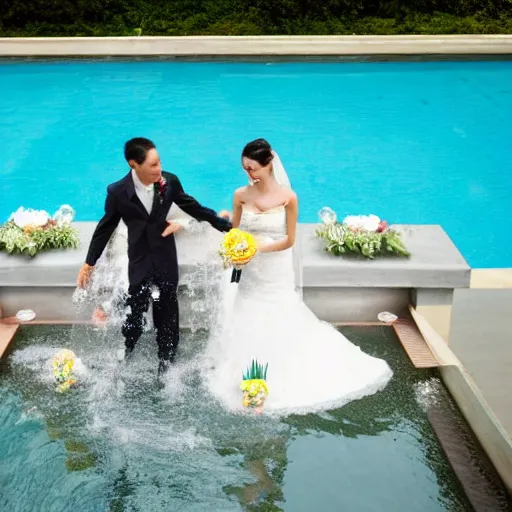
172, 227
263, 245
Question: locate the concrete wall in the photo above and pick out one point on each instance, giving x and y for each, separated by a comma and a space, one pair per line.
243, 46
337, 289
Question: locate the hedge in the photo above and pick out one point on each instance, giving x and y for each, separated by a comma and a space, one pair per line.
253, 17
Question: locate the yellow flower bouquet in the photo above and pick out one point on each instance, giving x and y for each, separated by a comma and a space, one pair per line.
237, 248
254, 385
62, 366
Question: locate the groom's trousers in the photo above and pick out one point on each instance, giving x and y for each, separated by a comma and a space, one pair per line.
165, 314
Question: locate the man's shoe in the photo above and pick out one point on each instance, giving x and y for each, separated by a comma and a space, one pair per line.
163, 366
128, 355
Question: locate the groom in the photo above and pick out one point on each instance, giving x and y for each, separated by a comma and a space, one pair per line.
142, 199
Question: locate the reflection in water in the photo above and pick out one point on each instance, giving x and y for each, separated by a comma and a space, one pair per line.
122, 442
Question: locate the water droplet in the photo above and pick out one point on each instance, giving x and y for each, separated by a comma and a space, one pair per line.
327, 215
64, 215
79, 296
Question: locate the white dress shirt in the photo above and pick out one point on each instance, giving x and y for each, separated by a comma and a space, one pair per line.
146, 193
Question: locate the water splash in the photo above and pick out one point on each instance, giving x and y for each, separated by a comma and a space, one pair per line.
122, 441
428, 393
199, 289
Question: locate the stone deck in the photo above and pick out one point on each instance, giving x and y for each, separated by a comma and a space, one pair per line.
265, 46
481, 338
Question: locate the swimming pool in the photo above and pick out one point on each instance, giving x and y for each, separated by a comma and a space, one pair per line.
126, 445
413, 142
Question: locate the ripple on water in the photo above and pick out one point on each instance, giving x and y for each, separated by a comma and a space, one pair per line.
123, 441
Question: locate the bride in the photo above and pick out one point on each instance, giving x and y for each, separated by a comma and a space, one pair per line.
311, 365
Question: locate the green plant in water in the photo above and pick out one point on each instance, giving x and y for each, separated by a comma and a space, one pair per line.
76, 446
80, 462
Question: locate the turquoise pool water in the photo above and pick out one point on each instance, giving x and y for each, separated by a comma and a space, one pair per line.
128, 445
413, 142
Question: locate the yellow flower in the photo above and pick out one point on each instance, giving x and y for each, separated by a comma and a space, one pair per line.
237, 248
255, 392
62, 365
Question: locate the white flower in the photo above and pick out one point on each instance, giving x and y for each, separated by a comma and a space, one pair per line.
30, 217
362, 222
242, 246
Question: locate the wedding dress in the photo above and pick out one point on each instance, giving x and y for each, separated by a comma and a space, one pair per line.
311, 365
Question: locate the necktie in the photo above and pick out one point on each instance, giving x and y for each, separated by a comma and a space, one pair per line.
156, 197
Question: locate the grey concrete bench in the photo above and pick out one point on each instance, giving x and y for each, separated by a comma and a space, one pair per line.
336, 288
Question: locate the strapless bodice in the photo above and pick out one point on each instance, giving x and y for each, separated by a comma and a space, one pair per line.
271, 223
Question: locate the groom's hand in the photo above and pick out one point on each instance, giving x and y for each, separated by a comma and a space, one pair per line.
173, 227
84, 275
224, 214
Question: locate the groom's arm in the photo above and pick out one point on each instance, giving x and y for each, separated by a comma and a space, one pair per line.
104, 230
189, 205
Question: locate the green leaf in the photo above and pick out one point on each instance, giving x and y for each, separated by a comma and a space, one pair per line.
339, 239
14, 240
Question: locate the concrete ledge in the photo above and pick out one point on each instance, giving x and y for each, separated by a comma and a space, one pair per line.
337, 289
491, 278
481, 339
486, 427
192, 46
490, 432
435, 262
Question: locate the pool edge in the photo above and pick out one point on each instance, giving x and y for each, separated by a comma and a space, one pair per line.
487, 428
7, 333
240, 46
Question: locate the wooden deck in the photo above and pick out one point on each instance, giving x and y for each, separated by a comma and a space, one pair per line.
7, 332
414, 344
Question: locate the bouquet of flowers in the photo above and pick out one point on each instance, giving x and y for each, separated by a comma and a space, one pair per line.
254, 385
361, 234
32, 231
237, 248
62, 367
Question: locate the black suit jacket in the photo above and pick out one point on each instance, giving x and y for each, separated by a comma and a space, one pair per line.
147, 249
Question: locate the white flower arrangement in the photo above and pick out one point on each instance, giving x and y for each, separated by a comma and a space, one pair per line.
366, 235
24, 218
30, 231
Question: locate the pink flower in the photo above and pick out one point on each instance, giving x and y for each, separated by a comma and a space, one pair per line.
162, 183
383, 225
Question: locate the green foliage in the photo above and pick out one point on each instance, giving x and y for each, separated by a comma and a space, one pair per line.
15, 240
340, 239
256, 371
253, 17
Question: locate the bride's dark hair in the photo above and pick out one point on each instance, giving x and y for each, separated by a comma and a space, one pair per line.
258, 150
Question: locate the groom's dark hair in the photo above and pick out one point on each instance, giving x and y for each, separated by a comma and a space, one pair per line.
137, 149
